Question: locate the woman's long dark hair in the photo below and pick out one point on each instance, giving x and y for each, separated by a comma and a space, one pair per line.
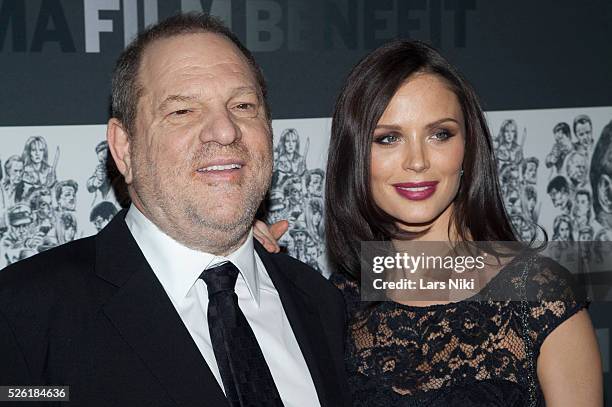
351, 214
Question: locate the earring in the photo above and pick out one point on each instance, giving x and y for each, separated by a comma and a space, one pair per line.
461, 173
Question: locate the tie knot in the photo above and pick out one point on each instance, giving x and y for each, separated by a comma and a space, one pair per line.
220, 278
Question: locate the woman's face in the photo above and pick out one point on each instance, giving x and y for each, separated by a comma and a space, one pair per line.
564, 231
509, 133
290, 143
37, 152
417, 151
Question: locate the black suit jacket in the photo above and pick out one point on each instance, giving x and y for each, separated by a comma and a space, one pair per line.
91, 314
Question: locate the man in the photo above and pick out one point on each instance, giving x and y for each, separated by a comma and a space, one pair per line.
101, 214
583, 133
559, 191
19, 231
561, 147
98, 183
576, 169
12, 184
529, 170
65, 195
314, 182
582, 208
139, 314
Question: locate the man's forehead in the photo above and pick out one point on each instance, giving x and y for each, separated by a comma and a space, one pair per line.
193, 50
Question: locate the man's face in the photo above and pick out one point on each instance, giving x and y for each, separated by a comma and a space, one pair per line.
531, 204
102, 155
296, 193
582, 204
15, 172
584, 134
67, 199
559, 198
315, 184
576, 170
531, 172
299, 238
44, 206
312, 253
201, 155
21, 231
99, 222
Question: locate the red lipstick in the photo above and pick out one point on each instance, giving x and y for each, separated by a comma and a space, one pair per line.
416, 191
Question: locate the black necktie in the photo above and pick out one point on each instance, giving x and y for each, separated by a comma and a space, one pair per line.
246, 377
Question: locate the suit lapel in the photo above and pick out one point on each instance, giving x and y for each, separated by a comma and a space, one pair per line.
143, 314
304, 318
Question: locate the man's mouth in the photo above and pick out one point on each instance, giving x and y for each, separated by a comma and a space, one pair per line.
224, 167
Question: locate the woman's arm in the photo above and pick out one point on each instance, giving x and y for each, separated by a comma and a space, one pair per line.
569, 365
268, 235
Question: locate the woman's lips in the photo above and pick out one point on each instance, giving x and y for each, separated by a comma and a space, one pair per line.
416, 191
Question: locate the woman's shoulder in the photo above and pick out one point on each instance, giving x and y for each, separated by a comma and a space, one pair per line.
349, 287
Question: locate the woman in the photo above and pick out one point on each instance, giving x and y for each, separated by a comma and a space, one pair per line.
411, 158
37, 173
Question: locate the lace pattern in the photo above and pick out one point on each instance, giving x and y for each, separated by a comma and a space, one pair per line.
419, 356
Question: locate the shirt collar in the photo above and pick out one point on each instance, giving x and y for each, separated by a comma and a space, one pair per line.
178, 267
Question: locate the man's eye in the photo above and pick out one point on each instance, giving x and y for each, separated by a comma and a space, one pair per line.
181, 112
245, 106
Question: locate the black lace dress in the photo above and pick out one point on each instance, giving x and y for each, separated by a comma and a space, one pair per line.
468, 353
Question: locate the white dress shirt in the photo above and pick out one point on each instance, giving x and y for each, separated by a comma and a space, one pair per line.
178, 269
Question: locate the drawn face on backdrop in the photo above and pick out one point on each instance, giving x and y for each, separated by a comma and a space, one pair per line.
417, 151
290, 143
44, 207
102, 154
314, 187
583, 204
563, 232
67, 198
577, 168
509, 133
559, 198
201, 155
15, 172
584, 134
37, 152
531, 172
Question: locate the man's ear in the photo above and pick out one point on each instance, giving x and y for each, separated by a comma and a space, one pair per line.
119, 146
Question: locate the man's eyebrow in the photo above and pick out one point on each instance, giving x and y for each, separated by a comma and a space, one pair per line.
175, 98
243, 90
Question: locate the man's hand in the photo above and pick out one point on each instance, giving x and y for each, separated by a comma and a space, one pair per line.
268, 235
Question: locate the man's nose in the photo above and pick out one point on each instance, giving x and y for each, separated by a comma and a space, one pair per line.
220, 127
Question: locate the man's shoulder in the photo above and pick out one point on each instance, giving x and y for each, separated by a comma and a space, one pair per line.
62, 266
304, 276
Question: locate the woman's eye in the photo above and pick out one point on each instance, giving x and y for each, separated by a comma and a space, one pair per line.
442, 135
386, 139
245, 106
181, 112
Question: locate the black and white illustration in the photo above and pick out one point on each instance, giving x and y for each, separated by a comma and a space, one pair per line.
41, 190
296, 193
555, 170
559, 176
